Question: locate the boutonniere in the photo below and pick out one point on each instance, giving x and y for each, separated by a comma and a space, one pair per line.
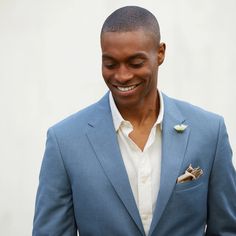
180, 128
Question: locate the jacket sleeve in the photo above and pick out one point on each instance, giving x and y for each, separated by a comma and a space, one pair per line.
222, 190
54, 213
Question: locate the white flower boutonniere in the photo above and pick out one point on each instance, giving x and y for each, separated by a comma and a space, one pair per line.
180, 128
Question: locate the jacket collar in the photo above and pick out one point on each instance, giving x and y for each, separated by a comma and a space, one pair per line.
174, 146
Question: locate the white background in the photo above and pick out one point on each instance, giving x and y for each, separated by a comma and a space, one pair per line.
50, 67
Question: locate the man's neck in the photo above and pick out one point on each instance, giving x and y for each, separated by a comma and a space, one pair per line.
142, 114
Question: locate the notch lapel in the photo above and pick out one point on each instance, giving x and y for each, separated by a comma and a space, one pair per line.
102, 136
174, 145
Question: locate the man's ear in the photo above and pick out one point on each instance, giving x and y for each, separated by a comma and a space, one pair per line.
161, 53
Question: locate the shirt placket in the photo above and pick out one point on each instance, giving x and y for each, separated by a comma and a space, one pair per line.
145, 192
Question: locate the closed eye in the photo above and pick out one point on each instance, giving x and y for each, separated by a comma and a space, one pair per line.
110, 66
109, 63
136, 65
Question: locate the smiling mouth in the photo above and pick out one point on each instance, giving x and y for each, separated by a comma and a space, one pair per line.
125, 89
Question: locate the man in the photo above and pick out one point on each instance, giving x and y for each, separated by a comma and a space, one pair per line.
137, 162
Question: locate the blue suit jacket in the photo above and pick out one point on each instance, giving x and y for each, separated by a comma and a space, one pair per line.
84, 184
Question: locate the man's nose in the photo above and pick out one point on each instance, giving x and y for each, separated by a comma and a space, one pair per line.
123, 74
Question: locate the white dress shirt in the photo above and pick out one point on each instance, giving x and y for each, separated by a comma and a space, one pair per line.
143, 167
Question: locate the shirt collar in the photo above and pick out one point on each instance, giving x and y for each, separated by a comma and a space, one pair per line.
118, 119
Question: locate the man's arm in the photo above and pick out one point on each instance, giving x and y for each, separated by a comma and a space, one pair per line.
54, 213
222, 190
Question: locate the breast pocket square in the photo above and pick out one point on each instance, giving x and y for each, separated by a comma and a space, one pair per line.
190, 174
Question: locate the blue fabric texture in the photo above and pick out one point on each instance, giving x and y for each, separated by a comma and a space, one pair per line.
83, 184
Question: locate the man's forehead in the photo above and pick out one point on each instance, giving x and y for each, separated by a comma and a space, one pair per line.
122, 35
139, 39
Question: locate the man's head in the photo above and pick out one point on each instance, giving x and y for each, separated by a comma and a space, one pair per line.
132, 18
131, 54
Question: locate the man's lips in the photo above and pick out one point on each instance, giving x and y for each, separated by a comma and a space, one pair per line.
126, 88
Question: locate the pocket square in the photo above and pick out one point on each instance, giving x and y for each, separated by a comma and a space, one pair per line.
190, 174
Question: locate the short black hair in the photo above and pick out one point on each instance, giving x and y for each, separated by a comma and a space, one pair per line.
132, 18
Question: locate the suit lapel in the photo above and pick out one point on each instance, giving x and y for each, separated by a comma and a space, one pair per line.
173, 150
102, 136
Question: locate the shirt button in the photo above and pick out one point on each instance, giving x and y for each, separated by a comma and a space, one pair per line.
144, 178
145, 217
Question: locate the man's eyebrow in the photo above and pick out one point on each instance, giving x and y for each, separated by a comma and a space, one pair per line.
107, 56
136, 55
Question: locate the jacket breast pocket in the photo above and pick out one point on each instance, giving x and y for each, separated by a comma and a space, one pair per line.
190, 198
188, 204
189, 185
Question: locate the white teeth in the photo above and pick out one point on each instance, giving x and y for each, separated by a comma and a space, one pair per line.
124, 89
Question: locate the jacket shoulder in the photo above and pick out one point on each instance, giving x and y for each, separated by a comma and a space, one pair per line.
202, 123
76, 123
193, 112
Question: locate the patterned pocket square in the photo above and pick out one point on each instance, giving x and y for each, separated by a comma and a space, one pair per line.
190, 174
